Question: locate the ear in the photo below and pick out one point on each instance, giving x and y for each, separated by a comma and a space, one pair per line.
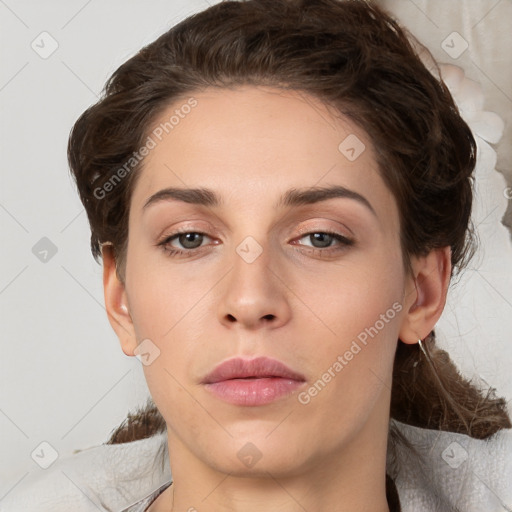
116, 302
426, 292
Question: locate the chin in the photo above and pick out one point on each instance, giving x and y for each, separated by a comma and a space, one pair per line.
259, 455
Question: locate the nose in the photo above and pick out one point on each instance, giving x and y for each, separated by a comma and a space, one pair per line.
254, 294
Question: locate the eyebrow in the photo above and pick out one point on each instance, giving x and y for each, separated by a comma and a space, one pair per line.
292, 197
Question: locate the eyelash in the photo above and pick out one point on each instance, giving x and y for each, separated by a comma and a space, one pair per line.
344, 243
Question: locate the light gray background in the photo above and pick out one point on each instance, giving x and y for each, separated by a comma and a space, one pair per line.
64, 379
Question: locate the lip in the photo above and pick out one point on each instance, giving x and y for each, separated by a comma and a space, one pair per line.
252, 382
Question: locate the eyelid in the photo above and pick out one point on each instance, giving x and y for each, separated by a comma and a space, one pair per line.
307, 230
342, 241
190, 226
165, 239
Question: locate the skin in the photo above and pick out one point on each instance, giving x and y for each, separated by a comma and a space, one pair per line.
300, 301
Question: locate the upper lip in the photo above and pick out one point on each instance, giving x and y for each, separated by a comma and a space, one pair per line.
239, 368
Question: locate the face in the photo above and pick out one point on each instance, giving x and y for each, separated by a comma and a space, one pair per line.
269, 269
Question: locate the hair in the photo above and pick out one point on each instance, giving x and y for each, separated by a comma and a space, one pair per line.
354, 57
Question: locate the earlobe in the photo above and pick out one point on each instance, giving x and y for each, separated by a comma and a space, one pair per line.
116, 302
428, 289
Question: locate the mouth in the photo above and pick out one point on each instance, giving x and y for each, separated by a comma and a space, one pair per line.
252, 382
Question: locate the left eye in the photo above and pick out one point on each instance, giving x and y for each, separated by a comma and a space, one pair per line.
322, 239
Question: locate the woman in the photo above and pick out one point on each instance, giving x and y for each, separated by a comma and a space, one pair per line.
280, 193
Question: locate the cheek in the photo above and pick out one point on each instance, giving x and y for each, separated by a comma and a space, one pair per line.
163, 298
161, 306
165, 308
345, 300
353, 368
354, 330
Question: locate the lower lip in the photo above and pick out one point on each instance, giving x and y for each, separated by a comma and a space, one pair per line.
253, 392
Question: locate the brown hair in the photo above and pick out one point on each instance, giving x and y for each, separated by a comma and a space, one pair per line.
354, 57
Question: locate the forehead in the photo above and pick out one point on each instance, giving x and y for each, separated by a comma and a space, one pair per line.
251, 144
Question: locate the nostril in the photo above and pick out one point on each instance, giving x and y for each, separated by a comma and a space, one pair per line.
231, 318
269, 317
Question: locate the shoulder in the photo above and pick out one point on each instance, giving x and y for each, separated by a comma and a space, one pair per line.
448, 471
98, 478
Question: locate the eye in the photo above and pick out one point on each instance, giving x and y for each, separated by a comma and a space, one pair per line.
324, 240
190, 241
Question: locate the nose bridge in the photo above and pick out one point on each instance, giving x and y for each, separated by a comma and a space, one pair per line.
253, 295
250, 277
